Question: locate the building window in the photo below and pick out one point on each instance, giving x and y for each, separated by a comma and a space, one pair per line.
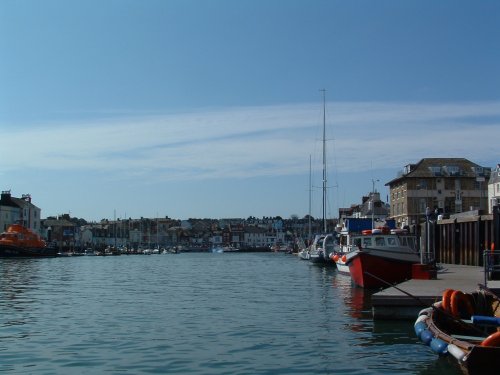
452, 170
422, 184
422, 205
436, 171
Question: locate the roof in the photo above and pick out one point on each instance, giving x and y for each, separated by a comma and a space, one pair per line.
440, 167
8, 201
57, 223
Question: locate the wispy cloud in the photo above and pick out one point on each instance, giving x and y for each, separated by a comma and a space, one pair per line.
258, 141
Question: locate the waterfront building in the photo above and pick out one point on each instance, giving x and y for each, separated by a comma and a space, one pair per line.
441, 186
19, 211
494, 189
371, 206
62, 232
255, 236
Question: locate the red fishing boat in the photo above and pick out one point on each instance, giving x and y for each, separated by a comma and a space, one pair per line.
379, 258
19, 241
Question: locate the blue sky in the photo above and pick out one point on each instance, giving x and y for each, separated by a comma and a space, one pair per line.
193, 109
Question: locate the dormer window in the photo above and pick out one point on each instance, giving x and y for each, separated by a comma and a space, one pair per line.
436, 171
452, 170
478, 170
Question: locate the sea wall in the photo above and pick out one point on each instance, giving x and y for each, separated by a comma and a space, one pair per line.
463, 239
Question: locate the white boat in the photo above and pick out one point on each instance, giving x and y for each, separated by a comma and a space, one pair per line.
304, 254
339, 256
322, 245
217, 250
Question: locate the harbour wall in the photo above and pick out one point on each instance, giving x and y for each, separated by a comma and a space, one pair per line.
462, 239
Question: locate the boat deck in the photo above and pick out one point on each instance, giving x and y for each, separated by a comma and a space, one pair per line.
391, 303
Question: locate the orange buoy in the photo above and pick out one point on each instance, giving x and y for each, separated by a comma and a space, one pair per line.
461, 305
366, 231
344, 258
492, 340
446, 304
336, 258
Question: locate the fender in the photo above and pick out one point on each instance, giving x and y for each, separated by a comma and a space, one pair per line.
492, 340
461, 304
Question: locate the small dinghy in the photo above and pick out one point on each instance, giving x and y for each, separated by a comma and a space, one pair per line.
465, 326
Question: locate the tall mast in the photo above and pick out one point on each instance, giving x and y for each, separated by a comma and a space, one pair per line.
310, 192
324, 161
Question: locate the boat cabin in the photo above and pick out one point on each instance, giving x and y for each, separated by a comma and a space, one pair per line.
386, 240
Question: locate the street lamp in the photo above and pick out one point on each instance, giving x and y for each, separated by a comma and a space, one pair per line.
372, 200
427, 234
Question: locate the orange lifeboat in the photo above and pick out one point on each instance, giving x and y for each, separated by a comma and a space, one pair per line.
21, 241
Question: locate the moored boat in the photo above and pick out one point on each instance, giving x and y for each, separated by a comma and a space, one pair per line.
377, 258
304, 254
464, 326
19, 241
217, 250
321, 247
349, 241
340, 258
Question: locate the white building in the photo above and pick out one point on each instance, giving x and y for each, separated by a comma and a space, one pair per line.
19, 211
494, 189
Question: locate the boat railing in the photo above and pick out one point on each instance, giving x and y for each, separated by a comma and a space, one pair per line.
491, 262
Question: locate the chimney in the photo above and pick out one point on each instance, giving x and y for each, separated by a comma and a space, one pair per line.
5, 198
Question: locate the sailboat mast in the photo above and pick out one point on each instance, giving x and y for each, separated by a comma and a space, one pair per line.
310, 192
324, 161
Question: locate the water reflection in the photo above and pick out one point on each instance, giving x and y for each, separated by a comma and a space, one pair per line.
198, 314
18, 277
18, 284
357, 300
383, 345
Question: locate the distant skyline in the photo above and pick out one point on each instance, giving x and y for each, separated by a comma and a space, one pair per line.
211, 109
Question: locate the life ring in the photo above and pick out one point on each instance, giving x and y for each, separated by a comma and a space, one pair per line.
446, 300
459, 302
492, 340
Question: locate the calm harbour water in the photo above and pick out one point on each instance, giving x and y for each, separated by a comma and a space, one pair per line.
248, 313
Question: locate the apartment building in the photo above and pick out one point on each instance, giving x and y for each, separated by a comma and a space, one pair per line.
437, 186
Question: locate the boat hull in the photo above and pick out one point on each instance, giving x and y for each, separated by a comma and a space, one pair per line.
304, 255
460, 339
10, 251
342, 267
363, 264
317, 257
